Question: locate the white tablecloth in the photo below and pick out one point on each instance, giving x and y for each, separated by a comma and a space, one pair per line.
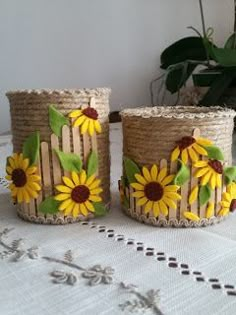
113, 265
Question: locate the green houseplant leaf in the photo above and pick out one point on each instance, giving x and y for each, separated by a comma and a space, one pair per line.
188, 48
49, 206
214, 153
31, 147
183, 174
230, 174
100, 209
57, 120
92, 163
231, 42
69, 161
131, 169
204, 194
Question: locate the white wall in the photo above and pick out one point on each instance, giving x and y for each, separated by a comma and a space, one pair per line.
90, 43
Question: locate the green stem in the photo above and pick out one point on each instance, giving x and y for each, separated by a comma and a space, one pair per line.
203, 19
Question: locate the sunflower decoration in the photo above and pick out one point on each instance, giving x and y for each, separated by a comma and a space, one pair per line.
154, 191
228, 203
87, 119
190, 147
209, 172
78, 193
24, 179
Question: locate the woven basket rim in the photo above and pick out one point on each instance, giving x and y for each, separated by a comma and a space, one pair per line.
179, 112
62, 92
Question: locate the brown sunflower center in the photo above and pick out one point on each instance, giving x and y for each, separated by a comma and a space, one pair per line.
90, 112
153, 191
216, 165
185, 142
19, 178
80, 194
232, 207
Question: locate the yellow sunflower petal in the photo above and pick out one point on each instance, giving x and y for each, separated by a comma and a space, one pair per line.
83, 177
83, 210
89, 206
79, 121
218, 180
31, 170
91, 128
65, 204
226, 196
26, 197
199, 149
231, 188
173, 196
14, 192
97, 126
146, 174
140, 179
75, 113
154, 171
205, 178
156, 210
201, 172
25, 164
213, 181
84, 126
201, 164
193, 155
210, 210
96, 191
95, 198
162, 174
191, 216
75, 178
170, 203
19, 196
95, 184
9, 170
90, 180
32, 192
69, 208
204, 141
193, 195
184, 156
33, 185
142, 201
68, 182
167, 180
63, 189
175, 154
61, 197
148, 206
163, 208
137, 186
223, 212
171, 188
225, 204
8, 177
34, 178
138, 194
75, 211
12, 163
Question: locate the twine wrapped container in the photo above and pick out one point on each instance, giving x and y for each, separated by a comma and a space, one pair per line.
158, 136
29, 113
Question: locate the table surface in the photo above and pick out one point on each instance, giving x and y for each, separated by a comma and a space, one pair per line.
113, 265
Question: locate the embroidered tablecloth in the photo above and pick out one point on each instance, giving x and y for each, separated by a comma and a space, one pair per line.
113, 265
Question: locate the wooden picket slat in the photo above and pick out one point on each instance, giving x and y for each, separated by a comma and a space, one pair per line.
66, 143
173, 212
92, 102
31, 207
76, 140
194, 181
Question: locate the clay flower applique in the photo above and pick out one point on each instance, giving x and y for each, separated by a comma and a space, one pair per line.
78, 194
24, 179
87, 119
228, 203
190, 147
210, 173
154, 190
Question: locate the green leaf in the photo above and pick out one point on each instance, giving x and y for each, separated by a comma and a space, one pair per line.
188, 48
126, 202
230, 174
218, 87
225, 57
69, 161
100, 209
131, 169
204, 194
214, 153
231, 42
183, 174
177, 76
31, 147
49, 206
57, 120
92, 163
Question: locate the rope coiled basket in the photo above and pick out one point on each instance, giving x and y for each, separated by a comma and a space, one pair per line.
177, 165
73, 132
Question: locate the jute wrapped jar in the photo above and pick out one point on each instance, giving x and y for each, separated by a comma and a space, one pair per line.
158, 136
30, 112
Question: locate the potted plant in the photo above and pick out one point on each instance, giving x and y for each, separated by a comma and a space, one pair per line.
182, 59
